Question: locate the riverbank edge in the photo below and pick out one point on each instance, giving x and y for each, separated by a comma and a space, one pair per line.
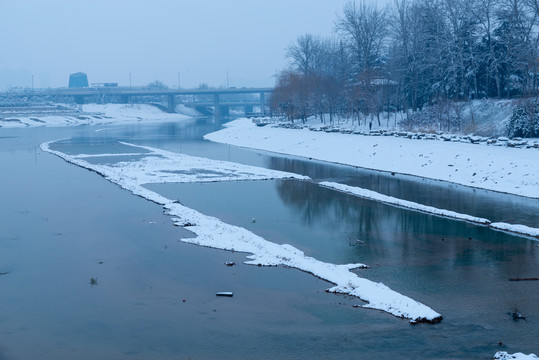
486, 172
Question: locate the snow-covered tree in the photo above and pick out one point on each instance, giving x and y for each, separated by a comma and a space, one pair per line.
416, 53
525, 120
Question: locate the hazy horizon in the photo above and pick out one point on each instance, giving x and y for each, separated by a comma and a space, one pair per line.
214, 42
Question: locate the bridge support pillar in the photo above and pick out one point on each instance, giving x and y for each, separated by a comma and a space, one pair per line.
263, 103
124, 99
171, 104
248, 109
79, 99
216, 107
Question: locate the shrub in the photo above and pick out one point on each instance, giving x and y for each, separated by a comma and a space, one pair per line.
525, 120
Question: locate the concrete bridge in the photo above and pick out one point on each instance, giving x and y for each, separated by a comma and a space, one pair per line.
200, 97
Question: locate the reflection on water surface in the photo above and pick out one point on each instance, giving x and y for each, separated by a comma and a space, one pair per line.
458, 269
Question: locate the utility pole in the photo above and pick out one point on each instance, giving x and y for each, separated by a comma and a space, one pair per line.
129, 80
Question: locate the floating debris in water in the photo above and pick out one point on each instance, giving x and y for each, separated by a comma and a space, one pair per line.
524, 279
517, 315
355, 241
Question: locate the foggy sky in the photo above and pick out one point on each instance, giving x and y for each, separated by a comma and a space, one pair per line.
155, 40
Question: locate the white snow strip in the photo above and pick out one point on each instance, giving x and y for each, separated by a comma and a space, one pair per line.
517, 229
212, 232
503, 355
373, 195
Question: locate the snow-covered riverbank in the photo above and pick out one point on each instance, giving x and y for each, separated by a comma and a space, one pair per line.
88, 114
503, 169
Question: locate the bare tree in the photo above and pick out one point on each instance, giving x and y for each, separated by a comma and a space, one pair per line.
364, 28
293, 95
305, 53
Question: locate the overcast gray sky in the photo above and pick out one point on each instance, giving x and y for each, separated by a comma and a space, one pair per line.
154, 39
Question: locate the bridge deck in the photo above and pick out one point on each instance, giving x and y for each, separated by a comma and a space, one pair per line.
131, 91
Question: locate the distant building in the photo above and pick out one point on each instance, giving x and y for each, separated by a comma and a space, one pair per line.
78, 80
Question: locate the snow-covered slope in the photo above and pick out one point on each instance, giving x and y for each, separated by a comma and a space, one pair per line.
504, 169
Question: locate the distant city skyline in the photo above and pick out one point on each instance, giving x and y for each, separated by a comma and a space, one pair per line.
219, 43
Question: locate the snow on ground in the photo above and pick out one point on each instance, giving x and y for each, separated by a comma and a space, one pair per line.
161, 166
491, 116
503, 355
128, 112
504, 169
157, 166
185, 110
88, 114
369, 194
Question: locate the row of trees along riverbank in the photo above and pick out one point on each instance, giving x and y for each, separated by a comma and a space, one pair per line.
410, 54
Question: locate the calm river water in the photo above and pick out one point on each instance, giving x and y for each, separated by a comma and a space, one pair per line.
155, 298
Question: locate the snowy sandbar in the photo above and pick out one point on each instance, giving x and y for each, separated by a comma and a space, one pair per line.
160, 166
372, 195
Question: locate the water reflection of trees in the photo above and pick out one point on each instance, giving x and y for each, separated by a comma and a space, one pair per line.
443, 195
313, 169
408, 237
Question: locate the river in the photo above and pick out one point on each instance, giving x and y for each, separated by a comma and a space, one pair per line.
154, 296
